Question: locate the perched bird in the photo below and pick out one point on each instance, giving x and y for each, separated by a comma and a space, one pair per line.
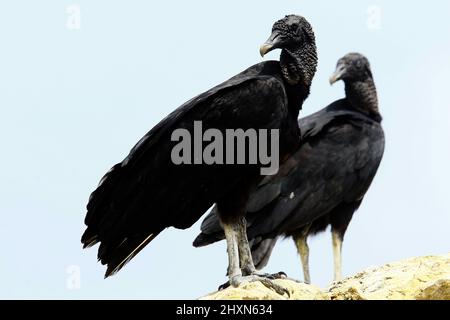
147, 193
324, 182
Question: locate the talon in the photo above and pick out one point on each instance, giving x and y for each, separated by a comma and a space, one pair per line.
279, 275
275, 287
224, 286
274, 276
282, 275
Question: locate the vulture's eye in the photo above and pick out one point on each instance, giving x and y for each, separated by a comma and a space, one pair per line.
358, 64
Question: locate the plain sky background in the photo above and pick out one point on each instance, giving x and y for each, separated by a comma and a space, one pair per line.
74, 102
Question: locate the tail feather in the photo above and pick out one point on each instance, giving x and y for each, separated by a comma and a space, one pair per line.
204, 239
261, 252
211, 230
89, 238
98, 206
118, 257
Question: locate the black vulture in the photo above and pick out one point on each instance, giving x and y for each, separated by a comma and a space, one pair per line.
147, 193
324, 182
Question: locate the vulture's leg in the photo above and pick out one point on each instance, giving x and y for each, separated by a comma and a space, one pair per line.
233, 250
301, 242
237, 243
340, 219
337, 250
245, 253
303, 250
245, 256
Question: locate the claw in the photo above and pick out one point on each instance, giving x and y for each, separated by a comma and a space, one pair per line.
278, 275
265, 279
275, 287
224, 286
281, 275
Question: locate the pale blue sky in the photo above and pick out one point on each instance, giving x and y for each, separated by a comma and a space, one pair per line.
75, 101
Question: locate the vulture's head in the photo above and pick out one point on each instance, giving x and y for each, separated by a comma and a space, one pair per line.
351, 68
289, 33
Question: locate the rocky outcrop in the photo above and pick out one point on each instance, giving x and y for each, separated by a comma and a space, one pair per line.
419, 278
424, 278
257, 291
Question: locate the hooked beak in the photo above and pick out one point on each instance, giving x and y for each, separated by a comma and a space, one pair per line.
338, 74
272, 43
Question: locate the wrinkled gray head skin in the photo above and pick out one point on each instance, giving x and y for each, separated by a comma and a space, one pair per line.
360, 90
353, 67
290, 32
295, 37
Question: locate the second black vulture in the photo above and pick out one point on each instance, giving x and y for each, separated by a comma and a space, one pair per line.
147, 192
325, 180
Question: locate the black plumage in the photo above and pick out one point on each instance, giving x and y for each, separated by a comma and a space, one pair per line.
146, 193
324, 182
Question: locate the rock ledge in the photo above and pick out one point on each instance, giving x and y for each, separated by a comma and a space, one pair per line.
424, 278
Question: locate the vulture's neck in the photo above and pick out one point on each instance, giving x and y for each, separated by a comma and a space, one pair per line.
362, 96
298, 66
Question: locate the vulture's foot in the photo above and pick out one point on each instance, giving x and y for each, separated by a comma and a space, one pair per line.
278, 275
275, 287
273, 276
236, 281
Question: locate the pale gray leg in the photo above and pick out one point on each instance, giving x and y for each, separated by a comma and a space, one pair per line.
233, 251
303, 250
245, 253
337, 255
237, 244
301, 242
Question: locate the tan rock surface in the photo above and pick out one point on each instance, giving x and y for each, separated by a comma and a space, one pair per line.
257, 291
418, 278
424, 278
